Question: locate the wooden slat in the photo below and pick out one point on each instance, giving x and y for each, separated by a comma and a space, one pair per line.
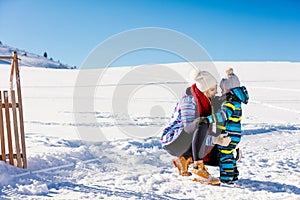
11, 77
6, 57
8, 128
19, 93
9, 105
16, 131
2, 138
7, 155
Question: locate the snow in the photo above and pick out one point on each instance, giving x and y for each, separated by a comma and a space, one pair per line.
30, 59
62, 164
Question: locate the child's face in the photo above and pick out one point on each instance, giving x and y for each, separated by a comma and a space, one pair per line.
224, 91
211, 92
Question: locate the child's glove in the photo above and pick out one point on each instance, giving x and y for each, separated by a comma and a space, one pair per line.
222, 140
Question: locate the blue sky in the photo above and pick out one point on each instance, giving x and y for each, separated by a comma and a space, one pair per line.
231, 30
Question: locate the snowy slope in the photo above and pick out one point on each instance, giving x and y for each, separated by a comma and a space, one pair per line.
30, 59
61, 165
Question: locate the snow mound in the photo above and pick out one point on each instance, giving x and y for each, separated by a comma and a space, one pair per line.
30, 59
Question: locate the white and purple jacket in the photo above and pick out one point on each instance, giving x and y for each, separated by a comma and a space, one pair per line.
183, 115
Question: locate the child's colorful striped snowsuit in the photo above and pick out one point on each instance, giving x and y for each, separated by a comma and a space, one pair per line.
230, 114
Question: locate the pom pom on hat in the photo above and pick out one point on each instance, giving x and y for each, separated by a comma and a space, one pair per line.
229, 71
203, 79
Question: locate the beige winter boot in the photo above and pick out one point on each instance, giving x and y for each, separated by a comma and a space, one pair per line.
200, 174
182, 165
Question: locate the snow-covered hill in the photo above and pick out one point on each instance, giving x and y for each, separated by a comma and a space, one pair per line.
62, 165
30, 59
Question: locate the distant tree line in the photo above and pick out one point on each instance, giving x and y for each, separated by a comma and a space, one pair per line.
46, 56
60, 64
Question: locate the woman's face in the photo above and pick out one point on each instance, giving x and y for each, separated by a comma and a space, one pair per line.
211, 92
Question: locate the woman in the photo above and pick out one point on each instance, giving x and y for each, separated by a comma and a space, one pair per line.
185, 135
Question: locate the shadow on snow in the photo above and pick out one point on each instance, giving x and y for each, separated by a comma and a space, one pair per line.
118, 192
272, 187
267, 128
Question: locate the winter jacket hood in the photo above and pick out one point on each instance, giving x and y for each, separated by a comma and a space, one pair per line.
238, 94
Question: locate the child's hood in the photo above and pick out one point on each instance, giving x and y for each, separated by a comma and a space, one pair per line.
241, 93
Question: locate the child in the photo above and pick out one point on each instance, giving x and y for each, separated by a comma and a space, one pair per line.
228, 119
